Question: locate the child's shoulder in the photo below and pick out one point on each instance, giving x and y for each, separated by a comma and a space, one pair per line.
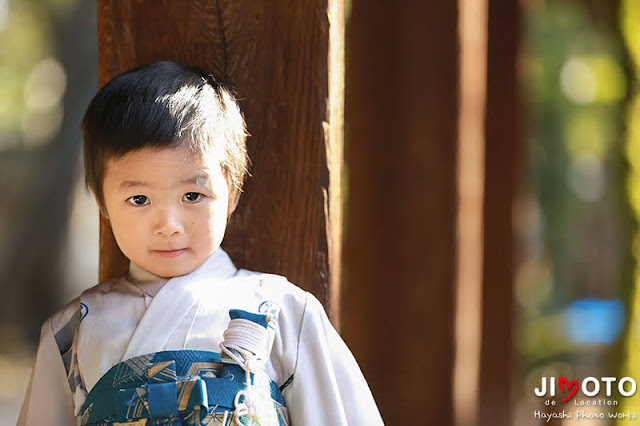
272, 281
74, 310
277, 285
104, 286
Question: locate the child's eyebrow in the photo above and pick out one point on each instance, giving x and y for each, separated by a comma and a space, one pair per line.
198, 179
131, 184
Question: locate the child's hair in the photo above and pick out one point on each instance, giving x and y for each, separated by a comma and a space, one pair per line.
164, 105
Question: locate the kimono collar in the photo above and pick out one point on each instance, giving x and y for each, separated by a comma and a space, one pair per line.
144, 280
218, 265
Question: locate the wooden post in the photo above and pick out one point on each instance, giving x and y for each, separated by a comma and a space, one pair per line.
431, 155
472, 30
284, 60
503, 153
400, 248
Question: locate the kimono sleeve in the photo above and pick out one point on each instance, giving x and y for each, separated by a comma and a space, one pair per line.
328, 387
49, 400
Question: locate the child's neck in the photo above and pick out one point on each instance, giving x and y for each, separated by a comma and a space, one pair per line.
145, 280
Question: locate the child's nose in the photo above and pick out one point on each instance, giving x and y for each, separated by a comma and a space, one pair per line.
169, 222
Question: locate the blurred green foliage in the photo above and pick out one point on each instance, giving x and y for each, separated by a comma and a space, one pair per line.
575, 220
629, 19
28, 35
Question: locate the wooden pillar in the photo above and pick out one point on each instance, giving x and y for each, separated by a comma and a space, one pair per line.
431, 155
470, 168
284, 60
401, 116
503, 152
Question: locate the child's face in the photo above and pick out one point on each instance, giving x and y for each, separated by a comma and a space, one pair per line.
167, 208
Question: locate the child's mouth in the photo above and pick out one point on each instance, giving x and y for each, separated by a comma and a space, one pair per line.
169, 253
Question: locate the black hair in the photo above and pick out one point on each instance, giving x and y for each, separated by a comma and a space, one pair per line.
164, 105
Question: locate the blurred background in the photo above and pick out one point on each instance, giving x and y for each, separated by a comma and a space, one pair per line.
575, 213
48, 224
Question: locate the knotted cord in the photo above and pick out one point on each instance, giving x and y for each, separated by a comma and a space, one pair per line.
245, 343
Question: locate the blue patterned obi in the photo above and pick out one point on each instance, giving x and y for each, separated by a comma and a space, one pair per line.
171, 388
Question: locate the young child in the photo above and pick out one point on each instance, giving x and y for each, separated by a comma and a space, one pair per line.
165, 158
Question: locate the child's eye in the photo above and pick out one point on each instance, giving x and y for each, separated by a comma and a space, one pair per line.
138, 200
191, 197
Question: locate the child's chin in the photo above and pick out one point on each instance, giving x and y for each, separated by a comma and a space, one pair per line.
170, 271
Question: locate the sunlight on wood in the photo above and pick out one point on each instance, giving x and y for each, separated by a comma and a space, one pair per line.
472, 27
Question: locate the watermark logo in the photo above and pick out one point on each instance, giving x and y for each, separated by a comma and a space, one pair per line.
590, 395
590, 387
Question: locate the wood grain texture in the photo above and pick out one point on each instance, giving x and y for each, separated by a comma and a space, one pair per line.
276, 56
401, 142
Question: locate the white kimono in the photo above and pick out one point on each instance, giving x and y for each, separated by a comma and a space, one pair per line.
320, 380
